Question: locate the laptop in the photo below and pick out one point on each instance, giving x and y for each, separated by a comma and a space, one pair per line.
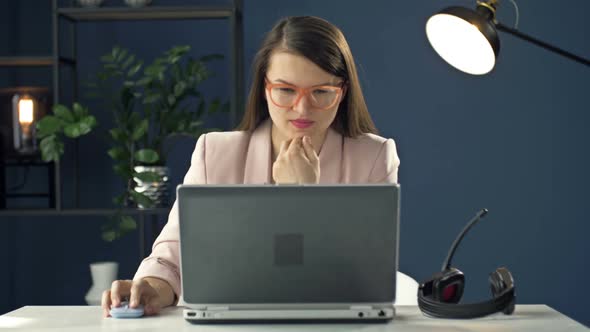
254, 253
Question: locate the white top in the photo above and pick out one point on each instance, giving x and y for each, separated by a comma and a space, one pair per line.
536, 318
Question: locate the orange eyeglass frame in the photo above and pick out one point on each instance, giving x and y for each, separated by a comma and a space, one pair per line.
304, 92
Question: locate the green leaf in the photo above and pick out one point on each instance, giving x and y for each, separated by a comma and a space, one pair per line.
127, 224
148, 176
129, 84
179, 88
115, 52
51, 148
79, 111
154, 71
48, 125
140, 130
134, 119
119, 153
107, 58
147, 156
121, 55
73, 130
63, 113
133, 70
141, 199
123, 169
87, 124
179, 50
196, 125
128, 62
144, 81
150, 98
109, 236
171, 100
118, 135
78, 129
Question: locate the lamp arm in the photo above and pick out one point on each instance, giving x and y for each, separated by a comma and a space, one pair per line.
542, 44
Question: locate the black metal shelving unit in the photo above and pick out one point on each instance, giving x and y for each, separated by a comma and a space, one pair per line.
74, 15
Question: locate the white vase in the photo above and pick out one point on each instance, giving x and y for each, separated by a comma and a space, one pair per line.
103, 274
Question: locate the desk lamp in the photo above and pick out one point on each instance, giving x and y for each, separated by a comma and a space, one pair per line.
468, 39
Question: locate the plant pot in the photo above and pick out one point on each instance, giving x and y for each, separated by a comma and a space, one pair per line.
103, 274
159, 191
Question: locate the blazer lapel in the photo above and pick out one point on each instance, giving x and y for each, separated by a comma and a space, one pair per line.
331, 158
258, 157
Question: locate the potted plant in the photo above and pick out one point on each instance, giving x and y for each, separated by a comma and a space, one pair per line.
150, 106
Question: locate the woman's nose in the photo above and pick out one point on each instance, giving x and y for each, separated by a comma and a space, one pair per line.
303, 106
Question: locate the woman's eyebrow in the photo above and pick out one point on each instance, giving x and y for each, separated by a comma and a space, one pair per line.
289, 83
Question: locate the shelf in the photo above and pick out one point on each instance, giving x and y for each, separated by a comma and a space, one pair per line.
145, 13
32, 61
79, 212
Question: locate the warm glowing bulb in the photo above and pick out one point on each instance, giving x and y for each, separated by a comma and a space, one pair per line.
460, 43
25, 111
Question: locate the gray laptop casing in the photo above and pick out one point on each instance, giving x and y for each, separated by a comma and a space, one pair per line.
288, 252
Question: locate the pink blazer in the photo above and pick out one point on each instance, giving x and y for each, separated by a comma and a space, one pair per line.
240, 157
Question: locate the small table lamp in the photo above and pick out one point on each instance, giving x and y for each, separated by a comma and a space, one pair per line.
28, 106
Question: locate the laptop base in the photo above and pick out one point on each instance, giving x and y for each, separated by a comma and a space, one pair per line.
288, 315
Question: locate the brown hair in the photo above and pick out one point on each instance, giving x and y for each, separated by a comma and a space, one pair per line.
324, 44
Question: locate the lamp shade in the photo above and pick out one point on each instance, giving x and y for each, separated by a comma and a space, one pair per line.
464, 38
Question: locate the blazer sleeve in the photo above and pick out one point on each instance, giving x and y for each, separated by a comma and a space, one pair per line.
164, 261
386, 165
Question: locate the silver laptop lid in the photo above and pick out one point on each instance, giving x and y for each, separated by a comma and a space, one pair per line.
289, 244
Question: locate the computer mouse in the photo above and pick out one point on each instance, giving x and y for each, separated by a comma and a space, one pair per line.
124, 311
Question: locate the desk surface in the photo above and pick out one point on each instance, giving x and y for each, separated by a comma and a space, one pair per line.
408, 318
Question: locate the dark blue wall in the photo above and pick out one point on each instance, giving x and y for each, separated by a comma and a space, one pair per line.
512, 141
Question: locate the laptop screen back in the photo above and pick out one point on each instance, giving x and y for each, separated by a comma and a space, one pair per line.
289, 244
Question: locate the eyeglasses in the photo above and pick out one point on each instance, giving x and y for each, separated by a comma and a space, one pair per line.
320, 97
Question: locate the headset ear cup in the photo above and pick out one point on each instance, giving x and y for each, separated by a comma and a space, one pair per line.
500, 281
448, 287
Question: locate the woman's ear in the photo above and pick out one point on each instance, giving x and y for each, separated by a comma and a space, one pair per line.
344, 91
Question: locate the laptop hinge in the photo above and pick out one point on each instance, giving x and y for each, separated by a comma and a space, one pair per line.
217, 308
361, 307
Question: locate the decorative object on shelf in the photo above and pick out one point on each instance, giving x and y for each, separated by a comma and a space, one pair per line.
25, 107
65, 122
90, 3
150, 105
103, 274
138, 3
20, 110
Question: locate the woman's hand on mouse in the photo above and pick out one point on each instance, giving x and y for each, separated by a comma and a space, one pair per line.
153, 293
297, 162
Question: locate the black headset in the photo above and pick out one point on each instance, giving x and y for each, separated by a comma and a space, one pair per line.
439, 296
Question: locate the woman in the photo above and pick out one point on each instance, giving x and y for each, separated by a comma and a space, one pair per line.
306, 121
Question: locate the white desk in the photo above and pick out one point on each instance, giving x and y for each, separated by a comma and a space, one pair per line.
409, 318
